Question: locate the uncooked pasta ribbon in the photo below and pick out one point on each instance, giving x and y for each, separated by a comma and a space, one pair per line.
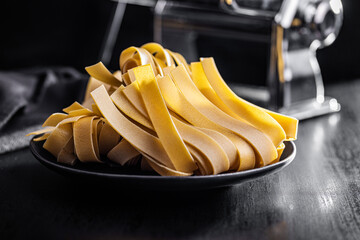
170, 117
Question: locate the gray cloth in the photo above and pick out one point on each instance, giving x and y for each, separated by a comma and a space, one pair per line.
28, 97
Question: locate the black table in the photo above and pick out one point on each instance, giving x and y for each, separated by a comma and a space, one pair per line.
316, 197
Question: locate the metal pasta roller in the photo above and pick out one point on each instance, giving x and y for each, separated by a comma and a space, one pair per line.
265, 49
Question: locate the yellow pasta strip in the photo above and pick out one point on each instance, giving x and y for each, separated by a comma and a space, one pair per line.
247, 155
202, 145
126, 78
91, 86
164, 170
198, 75
132, 93
133, 113
203, 166
216, 157
129, 54
180, 60
108, 139
95, 110
112, 89
131, 75
160, 56
251, 113
161, 120
144, 141
96, 128
159, 52
178, 103
289, 124
128, 108
167, 70
41, 131
122, 153
201, 82
66, 155
81, 112
135, 99
212, 151
131, 63
224, 142
70, 120
159, 65
101, 73
42, 137
88, 102
83, 140
58, 139
183, 120
54, 119
261, 143
118, 76
74, 106
280, 150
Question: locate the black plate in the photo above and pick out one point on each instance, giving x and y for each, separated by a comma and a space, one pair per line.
136, 179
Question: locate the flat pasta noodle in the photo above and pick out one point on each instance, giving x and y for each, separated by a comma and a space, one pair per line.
67, 154
54, 119
72, 107
133, 52
161, 120
179, 104
164, 170
261, 144
180, 60
108, 139
42, 131
126, 106
289, 124
85, 146
58, 139
122, 153
177, 119
215, 156
256, 116
202, 83
137, 137
159, 52
101, 73
91, 86
213, 152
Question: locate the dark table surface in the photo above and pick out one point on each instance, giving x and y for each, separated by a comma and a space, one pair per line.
316, 197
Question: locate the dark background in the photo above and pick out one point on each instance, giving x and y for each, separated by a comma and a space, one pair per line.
70, 33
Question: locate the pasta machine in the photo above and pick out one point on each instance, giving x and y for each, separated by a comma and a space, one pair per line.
265, 49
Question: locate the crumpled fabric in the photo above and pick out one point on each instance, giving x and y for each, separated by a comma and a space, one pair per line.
28, 97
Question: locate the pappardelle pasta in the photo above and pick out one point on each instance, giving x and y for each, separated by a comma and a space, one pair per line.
177, 119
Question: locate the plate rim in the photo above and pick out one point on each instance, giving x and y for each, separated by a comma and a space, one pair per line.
244, 173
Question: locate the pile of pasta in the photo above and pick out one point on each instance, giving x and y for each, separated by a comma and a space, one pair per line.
178, 119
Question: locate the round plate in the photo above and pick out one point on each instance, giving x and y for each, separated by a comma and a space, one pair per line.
136, 179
